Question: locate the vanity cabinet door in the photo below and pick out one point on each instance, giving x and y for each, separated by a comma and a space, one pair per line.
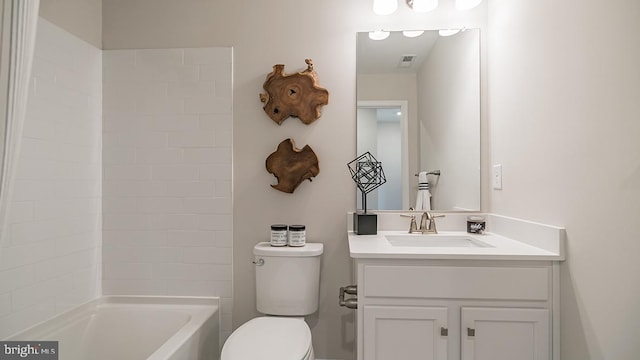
405, 333
505, 334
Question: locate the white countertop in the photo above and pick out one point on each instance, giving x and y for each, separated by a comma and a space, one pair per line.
500, 248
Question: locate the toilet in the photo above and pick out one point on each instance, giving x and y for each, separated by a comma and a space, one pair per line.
287, 288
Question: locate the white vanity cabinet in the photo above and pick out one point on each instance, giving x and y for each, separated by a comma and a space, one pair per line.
505, 333
455, 309
405, 332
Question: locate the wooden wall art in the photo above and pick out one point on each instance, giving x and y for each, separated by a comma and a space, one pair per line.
296, 95
291, 166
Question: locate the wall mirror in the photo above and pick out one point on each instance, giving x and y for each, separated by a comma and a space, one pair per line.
418, 111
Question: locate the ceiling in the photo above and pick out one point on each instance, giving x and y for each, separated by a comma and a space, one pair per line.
384, 56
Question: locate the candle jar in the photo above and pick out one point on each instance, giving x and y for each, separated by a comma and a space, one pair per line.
279, 235
297, 235
476, 224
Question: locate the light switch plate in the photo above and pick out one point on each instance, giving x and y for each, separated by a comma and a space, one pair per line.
497, 177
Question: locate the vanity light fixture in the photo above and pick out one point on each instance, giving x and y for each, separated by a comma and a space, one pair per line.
378, 35
412, 33
448, 32
388, 7
467, 4
422, 6
385, 7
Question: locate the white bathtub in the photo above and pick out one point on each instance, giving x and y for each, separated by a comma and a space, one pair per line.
134, 328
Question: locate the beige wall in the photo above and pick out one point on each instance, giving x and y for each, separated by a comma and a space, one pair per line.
152, 24
82, 18
564, 105
264, 33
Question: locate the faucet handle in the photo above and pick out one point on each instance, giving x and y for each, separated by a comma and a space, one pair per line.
412, 216
413, 227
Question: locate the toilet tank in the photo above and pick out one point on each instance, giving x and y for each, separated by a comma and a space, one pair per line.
287, 279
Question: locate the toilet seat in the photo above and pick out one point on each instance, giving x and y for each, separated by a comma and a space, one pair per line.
269, 338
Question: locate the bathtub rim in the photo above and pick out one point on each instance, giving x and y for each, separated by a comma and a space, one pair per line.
170, 346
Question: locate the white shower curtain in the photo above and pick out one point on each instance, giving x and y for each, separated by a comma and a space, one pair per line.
18, 23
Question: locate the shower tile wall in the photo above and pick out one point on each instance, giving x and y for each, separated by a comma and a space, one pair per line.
50, 260
167, 173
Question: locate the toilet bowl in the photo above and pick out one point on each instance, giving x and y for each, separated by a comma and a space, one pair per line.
270, 338
287, 288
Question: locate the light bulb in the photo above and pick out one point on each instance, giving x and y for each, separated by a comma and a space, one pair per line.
424, 5
378, 35
412, 33
467, 4
448, 32
385, 7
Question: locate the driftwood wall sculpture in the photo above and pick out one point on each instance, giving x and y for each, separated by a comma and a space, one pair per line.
296, 95
291, 166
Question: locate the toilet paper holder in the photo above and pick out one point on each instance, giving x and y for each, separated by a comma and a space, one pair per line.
350, 303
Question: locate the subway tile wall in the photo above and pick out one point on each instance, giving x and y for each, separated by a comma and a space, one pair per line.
167, 210
50, 260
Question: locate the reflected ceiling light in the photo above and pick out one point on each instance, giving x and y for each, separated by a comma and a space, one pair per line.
388, 7
412, 33
467, 4
385, 7
378, 35
422, 5
448, 32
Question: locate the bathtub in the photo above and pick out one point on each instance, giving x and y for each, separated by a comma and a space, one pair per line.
134, 328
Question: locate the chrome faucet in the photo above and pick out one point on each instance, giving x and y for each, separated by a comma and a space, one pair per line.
427, 223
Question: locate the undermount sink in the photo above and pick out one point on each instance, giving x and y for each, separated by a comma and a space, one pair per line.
434, 240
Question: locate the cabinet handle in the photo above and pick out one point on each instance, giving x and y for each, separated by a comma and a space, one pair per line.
444, 331
471, 332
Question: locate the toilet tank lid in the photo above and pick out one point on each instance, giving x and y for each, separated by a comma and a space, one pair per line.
309, 249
